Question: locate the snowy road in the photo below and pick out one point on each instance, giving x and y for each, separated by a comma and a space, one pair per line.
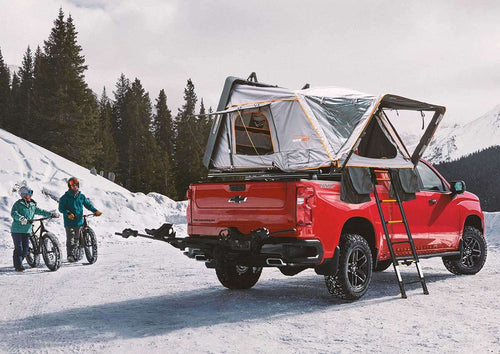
145, 296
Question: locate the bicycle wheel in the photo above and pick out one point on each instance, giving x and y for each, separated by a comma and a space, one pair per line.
90, 245
51, 251
32, 257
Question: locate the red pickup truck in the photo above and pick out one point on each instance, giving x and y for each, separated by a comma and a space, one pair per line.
309, 179
294, 223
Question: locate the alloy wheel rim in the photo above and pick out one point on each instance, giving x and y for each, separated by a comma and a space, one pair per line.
357, 268
471, 252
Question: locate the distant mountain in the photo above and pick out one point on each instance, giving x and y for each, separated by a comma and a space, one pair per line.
452, 142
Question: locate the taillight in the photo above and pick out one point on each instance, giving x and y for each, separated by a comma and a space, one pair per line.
305, 201
189, 195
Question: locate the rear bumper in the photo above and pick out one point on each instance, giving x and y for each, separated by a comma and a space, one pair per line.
255, 249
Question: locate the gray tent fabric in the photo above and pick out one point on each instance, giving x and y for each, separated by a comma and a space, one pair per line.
308, 129
356, 185
404, 184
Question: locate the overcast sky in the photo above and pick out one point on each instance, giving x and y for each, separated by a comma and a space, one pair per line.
442, 52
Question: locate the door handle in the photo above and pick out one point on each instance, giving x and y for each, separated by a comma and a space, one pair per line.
432, 201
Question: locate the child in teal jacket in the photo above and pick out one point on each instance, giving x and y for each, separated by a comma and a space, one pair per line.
71, 206
23, 211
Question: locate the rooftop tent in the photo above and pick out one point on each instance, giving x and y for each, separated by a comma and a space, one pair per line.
262, 126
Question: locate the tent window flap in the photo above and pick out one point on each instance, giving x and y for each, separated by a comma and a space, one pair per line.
252, 133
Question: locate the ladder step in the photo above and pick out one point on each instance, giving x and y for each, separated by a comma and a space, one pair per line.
388, 201
394, 222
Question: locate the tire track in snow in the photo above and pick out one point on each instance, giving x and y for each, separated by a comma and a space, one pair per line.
22, 161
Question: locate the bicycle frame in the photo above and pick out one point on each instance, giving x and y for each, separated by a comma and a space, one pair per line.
40, 230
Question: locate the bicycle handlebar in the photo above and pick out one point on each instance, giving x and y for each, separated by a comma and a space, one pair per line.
42, 219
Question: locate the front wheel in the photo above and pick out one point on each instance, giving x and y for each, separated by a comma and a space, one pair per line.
90, 245
355, 268
473, 253
51, 251
32, 257
238, 277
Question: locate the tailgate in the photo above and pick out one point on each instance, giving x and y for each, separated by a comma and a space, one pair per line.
245, 205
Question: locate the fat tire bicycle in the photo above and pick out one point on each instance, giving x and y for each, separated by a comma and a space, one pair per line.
45, 243
86, 242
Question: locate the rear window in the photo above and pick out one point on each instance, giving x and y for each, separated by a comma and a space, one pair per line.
252, 133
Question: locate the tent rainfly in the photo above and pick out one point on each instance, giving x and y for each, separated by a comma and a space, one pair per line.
259, 126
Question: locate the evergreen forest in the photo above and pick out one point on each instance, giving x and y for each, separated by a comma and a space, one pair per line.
480, 172
145, 145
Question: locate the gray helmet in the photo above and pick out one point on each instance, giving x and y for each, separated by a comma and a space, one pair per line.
25, 190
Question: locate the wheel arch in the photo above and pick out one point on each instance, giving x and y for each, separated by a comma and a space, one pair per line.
474, 221
364, 228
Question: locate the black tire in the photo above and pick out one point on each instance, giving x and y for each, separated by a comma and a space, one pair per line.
32, 258
355, 269
382, 265
90, 245
238, 277
51, 251
474, 252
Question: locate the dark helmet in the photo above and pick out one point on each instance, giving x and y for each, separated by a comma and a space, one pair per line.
72, 181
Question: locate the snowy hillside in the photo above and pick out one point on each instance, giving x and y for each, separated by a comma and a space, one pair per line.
145, 296
22, 162
454, 141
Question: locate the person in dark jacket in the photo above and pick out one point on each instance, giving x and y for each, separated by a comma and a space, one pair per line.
71, 206
22, 213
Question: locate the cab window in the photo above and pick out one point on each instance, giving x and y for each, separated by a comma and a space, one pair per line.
429, 180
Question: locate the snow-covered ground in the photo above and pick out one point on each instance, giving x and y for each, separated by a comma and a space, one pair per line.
145, 296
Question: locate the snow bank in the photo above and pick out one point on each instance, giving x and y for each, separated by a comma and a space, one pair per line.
22, 162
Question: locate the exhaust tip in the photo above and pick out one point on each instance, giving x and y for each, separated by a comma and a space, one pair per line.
276, 262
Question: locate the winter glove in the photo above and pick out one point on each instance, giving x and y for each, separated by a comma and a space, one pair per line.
71, 216
97, 213
23, 220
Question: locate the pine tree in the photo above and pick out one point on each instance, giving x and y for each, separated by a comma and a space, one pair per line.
23, 101
66, 107
143, 169
16, 122
163, 133
118, 116
108, 159
5, 95
186, 143
36, 112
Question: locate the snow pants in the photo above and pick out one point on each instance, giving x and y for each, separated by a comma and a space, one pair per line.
21, 248
72, 243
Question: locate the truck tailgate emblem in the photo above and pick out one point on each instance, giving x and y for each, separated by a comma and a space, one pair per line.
237, 199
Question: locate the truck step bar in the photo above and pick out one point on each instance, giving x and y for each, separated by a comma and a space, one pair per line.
396, 261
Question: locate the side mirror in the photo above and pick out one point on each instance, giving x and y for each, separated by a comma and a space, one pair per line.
457, 187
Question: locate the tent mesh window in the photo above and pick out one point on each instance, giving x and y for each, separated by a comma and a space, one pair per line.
252, 134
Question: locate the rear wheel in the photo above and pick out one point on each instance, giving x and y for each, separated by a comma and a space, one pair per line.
355, 268
51, 251
473, 253
238, 277
32, 258
90, 245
